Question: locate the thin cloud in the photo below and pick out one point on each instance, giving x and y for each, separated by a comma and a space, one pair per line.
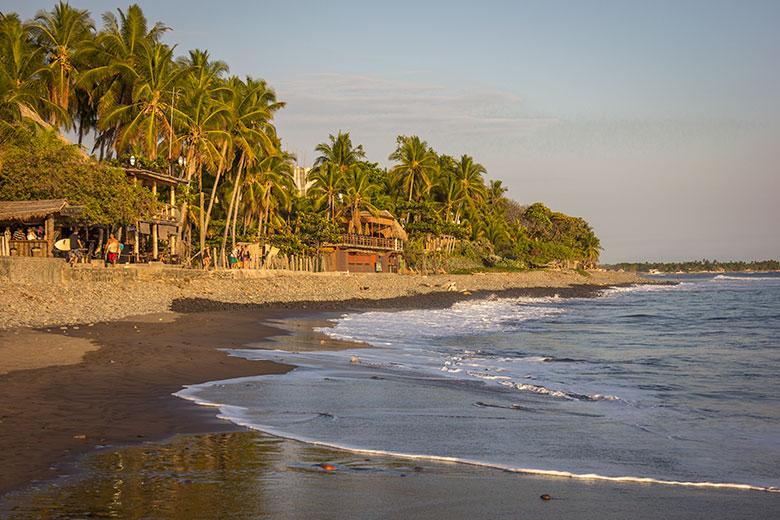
370, 105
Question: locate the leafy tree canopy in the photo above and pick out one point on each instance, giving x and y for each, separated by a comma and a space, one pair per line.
37, 166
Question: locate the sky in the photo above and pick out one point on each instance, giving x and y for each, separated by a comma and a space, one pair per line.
657, 122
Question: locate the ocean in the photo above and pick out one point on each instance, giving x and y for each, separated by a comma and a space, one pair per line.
672, 384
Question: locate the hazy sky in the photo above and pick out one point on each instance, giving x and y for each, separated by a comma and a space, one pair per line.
656, 121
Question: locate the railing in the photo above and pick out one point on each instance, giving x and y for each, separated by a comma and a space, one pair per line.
392, 244
28, 248
168, 213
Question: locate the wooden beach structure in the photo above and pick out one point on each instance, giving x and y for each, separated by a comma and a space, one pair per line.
145, 236
50, 215
377, 248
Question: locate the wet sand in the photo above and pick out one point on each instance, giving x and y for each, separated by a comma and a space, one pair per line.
119, 394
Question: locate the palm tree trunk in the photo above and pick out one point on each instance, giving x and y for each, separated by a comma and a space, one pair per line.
220, 170
236, 189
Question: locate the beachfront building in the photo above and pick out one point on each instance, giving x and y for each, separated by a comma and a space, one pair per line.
145, 236
29, 228
379, 248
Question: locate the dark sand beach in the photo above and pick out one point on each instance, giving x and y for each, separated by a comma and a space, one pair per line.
96, 405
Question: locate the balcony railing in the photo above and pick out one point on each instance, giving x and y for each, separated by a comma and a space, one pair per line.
391, 244
168, 213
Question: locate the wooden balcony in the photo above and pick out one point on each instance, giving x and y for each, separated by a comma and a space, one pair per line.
369, 242
168, 213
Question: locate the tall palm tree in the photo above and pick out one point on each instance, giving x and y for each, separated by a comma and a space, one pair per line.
358, 190
268, 187
23, 92
449, 192
63, 34
469, 175
339, 152
202, 128
147, 119
418, 164
116, 57
251, 106
328, 179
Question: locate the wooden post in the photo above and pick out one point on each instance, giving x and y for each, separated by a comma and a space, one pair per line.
49, 235
136, 242
155, 245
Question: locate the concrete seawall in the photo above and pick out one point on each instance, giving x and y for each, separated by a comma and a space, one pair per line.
57, 270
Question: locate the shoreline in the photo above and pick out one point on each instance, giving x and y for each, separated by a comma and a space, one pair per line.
117, 387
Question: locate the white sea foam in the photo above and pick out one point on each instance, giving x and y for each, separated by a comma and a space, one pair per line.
747, 278
238, 415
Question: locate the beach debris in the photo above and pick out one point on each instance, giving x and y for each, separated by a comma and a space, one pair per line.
451, 287
325, 414
82, 436
326, 467
466, 293
546, 497
354, 359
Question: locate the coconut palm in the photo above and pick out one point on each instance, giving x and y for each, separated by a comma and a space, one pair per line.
251, 106
358, 190
116, 56
23, 92
469, 175
63, 34
449, 193
418, 164
147, 118
268, 187
339, 152
327, 184
591, 247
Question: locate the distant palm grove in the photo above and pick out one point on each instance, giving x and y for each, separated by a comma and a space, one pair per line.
127, 94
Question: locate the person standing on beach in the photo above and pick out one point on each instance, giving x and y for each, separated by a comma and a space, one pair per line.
112, 248
75, 247
246, 256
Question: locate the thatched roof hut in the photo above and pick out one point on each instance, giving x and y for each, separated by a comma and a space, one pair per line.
26, 210
384, 223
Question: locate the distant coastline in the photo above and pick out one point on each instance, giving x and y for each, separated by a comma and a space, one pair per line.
695, 266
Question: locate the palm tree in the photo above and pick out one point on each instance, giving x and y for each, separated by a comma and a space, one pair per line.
250, 109
202, 128
23, 92
358, 190
327, 185
147, 119
339, 152
269, 186
63, 34
116, 56
592, 247
469, 175
417, 165
449, 192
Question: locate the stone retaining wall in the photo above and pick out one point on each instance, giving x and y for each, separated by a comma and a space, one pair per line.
57, 270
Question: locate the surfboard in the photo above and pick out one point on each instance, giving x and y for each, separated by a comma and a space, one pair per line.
62, 245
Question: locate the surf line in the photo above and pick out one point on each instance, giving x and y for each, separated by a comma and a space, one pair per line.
233, 417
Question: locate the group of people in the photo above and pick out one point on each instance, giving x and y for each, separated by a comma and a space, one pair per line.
112, 249
240, 257
32, 234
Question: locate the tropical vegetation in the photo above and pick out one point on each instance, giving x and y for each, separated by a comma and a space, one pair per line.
696, 266
121, 88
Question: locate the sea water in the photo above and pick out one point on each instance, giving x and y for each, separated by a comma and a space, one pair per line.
678, 384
